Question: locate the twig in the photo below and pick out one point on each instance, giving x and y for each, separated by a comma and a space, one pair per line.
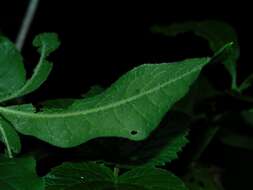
26, 23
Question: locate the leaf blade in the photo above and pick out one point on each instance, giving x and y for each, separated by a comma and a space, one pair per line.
131, 108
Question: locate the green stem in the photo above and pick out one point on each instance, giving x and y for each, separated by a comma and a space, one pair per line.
116, 175
116, 172
26, 23
6, 142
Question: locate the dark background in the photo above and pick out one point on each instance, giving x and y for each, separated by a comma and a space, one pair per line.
101, 41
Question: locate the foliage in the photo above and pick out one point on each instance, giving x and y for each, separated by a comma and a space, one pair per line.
122, 136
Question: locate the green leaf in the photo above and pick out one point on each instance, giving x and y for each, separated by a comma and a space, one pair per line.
19, 174
162, 146
46, 43
56, 104
170, 151
9, 137
132, 107
99, 177
12, 72
217, 33
152, 179
201, 90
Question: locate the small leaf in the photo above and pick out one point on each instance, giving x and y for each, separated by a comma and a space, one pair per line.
12, 72
132, 107
46, 43
9, 137
217, 33
19, 174
99, 177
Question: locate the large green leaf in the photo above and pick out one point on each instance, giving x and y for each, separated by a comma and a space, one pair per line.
12, 72
9, 137
132, 107
93, 176
46, 43
217, 33
19, 174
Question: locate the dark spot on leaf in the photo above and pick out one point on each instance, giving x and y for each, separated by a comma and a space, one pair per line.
134, 132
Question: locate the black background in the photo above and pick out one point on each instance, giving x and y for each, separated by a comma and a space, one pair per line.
101, 41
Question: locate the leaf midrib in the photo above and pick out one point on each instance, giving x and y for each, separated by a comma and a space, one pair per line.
102, 108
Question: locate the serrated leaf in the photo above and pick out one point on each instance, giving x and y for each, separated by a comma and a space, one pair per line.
99, 177
12, 72
170, 151
19, 174
162, 146
132, 107
217, 33
9, 137
46, 43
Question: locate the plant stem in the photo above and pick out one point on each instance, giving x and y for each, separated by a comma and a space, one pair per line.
26, 23
6, 142
116, 175
205, 141
116, 172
